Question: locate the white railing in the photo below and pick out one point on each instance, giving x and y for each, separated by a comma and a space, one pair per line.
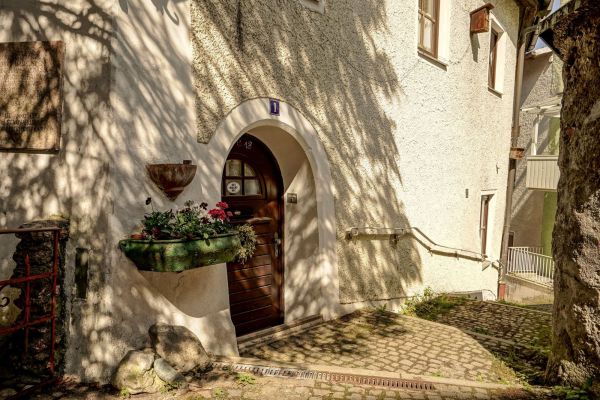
528, 263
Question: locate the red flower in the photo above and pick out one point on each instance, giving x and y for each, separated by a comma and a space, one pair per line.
222, 205
217, 213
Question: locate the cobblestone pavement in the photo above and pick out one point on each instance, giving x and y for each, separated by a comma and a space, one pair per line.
541, 307
231, 386
383, 341
520, 325
460, 345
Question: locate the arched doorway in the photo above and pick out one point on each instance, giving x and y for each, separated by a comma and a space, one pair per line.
252, 186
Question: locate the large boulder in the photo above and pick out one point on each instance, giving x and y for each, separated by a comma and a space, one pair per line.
135, 373
179, 347
167, 373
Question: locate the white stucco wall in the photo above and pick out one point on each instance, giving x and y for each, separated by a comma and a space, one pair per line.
372, 135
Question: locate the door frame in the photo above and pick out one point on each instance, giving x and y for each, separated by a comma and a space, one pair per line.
252, 113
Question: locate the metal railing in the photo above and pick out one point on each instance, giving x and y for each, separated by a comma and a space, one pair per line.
395, 233
528, 263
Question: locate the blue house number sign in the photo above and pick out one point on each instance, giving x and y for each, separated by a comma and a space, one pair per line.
274, 106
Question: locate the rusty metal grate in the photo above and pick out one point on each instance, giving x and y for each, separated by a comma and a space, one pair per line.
354, 379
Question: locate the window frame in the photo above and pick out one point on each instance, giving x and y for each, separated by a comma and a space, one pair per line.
484, 222
493, 59
243, 178
435, 20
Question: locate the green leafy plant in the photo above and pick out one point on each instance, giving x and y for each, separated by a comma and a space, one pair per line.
157, 224
194, 221
571, 393
245, 379
191, 222
430, 305
248, 243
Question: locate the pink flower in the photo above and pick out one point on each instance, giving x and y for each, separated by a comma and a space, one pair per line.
229, 214
222, 205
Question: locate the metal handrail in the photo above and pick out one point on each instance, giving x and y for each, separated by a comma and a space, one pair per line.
425, 240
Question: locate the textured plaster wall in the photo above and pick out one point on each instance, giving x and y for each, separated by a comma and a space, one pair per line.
75, 181
541, 81
128, 101
153, 116
404, 136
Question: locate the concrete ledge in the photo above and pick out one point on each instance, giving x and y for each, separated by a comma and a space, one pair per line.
523, 290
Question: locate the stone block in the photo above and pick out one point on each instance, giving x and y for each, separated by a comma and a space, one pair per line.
179, 346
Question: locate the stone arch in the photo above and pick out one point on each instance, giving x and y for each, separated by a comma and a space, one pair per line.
256, 113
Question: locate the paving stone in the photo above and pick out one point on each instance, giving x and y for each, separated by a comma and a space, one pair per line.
363, 340
381, 342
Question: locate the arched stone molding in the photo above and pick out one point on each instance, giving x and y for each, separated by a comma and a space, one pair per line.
254, 113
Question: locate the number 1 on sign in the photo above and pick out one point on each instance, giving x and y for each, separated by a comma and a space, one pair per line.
274, 107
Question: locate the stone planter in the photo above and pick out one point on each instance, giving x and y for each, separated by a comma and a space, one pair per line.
180, 254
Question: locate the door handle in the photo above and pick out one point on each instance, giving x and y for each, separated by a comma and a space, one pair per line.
277, 243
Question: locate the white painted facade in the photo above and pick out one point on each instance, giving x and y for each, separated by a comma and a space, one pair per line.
417, 150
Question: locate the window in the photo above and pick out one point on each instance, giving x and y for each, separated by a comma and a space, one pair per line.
497, 57
429, 15
493, 67
240, 179
484, 222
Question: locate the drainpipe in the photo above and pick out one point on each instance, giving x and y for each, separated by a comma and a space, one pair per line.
526, 19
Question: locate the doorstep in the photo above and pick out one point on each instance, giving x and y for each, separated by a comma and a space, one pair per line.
277, 332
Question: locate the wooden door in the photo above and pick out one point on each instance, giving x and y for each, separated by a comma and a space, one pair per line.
252, 186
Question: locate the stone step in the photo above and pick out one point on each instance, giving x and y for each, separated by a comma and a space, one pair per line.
277, 332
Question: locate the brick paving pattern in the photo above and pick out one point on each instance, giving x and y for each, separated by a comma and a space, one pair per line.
383, 341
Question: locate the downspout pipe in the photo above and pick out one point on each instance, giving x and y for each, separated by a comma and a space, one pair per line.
526, 29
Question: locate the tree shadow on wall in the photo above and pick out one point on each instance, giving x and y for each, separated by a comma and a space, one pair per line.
330, 67
76, 182
334, 69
